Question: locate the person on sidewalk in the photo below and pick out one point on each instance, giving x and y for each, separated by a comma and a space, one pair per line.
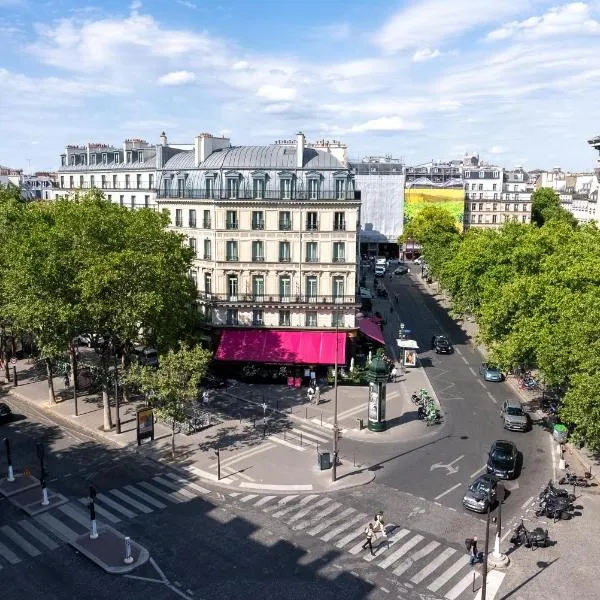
433, 342
475, 554
369, 537
394, 375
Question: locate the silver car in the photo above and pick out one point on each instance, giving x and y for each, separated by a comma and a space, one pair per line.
480, 493
513, 415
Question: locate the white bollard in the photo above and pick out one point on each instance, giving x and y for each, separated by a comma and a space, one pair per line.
11, 475
94, 532
45, 500
128, 558
561, 459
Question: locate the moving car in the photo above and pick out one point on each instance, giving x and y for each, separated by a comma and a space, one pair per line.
513, 415
401, 270
442, 345
147, 357
379, 270
490, 372
502, 460
5, 413
480, 493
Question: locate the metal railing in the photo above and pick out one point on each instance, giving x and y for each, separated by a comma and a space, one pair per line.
278, 299
243, 194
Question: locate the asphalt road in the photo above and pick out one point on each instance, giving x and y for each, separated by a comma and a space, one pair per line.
440, 466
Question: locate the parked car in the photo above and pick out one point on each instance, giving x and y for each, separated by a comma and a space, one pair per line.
490, 372
147, 357
513, 415
502, 460
379, 270
442, 345
5, 413
480, 493
401, 270
419, 260
89, 340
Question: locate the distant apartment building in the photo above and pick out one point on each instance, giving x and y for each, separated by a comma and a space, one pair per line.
126, 174
380, 180
38, 186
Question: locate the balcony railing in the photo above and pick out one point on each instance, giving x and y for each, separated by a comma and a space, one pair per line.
206, 224
231, 225
285, 226
258, 259
312, 259
338, 259
285, 259
278, 299
226, 194
258, 225
312, 226
339, 227
232, 258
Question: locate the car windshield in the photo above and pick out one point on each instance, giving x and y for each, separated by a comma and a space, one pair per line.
492, 369
515, 411
480, 487
501, 455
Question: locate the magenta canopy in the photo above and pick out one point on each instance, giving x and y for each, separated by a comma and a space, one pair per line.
371, 329
274, 346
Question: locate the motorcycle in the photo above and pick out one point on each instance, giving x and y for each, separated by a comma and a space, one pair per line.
556, 508
577, 480
550, 491
523, 537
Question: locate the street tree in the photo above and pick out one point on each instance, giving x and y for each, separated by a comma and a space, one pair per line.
545, 205
172, 387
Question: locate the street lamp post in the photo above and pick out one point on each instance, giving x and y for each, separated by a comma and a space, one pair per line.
73, 357
11, 476
264, 407
218, 453
335, 403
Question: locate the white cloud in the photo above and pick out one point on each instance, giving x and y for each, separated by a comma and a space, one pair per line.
425, 23
425, 54
336, 32
385, 124
570, 19
177, 78
276, 93
187, 4
497, 150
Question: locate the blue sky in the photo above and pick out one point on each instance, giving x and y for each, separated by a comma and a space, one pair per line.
517, 81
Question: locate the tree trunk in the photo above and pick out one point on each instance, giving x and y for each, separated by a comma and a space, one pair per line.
51, 397
5, 356
106, 408
173, 440
124, 389
73, 361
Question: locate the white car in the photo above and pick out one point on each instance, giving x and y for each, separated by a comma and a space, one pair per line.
419, 260
401, 270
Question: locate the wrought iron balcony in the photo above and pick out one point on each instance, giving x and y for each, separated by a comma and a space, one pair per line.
285, 226
260, 225
285, 259
232, 258
279, 299
248, 194
206, 224
231, 225
338, 259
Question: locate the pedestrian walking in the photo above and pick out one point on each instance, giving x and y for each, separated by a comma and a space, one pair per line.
433, 342
394, 374
474, 552
66, 379
369, 536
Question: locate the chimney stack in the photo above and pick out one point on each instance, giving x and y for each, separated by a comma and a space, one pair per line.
299, 150
163, 139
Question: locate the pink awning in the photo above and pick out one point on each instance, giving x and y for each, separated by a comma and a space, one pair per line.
290, 347
371, 329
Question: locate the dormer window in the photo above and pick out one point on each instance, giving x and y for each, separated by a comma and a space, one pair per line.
140, 155
104, 158
258, 188
63, 161
129, 155
116, 157
233, 186
92, 159
73, 159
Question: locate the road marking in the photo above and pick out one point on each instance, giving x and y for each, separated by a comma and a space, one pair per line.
302, 513
160, 493
38, 535
277, 488
190, 484
61, 530
494, 581
327, 511
449, 573
101, 511
145, 497
264, 500
337, 530
353, 411
248, 497
327, 522
475, 473
210, 476
284, 511
527, 502
492, 398
9, 555
481, 383
451, 469
288, 444
433, 565
411, 560
125, 498
458, 351
74, 513
398, 535
448, 491
115, 506
177, 489
242, 455
473, 372
11, 534
384, 564
465, 360
459, 588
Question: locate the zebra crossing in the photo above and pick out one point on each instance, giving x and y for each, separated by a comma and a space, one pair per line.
441, 569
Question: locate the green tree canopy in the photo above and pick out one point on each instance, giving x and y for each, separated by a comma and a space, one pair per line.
545, 205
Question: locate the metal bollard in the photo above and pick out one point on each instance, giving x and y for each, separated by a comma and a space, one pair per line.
301, 439
11, 476
128, 557
321, 418
306, 413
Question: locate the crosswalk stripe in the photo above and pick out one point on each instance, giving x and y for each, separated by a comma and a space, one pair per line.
328, 522
190, 484
311, 434
177, 489
433, 565
394, 556
285, 500
398, 535
234, 494
66, 534
235, 473
11, 534
302, 513
160, 493
125, 498
462, 585
70, 510
324, 513
264, 500
494, 581
348, 538
448, 573
341, 528
102, 511
144, 497
40, 536
248, 497
9, 555
102, 498
411, 560
288, 509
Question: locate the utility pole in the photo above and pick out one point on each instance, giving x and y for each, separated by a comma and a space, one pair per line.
335, 402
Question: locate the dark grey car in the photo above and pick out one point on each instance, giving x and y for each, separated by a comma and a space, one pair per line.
513, 415
480, 492
502, 460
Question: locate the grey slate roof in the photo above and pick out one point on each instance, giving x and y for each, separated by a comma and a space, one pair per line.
113, 166
274, 156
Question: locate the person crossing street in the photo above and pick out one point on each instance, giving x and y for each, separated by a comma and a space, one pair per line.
369, 537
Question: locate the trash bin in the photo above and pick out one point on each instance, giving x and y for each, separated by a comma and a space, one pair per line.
324, 458
359, 424
560, 433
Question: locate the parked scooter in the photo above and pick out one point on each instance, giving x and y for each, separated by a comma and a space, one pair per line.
556, 508
537, 538
577, 480
550, 491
